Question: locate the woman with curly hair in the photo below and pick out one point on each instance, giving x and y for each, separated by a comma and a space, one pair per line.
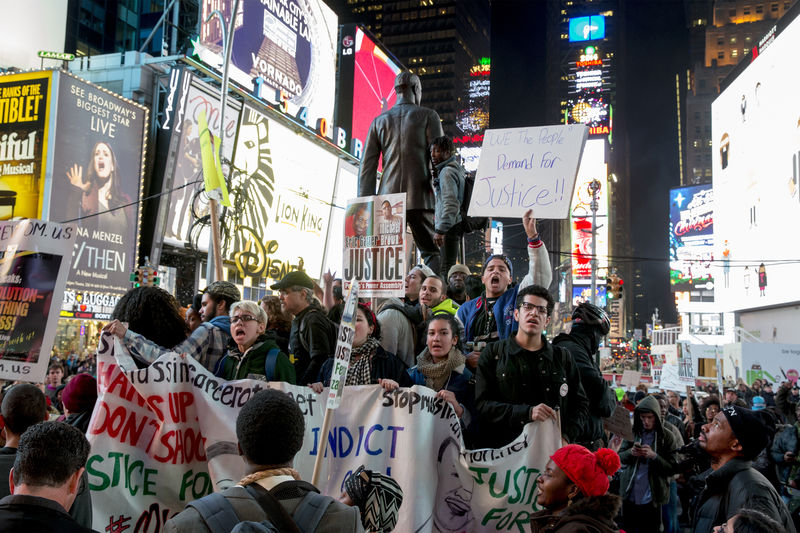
369, 362
153, 313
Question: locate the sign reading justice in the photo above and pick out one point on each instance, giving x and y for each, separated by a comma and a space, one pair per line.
528, 168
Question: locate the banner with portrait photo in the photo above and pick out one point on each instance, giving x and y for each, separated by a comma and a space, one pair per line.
97, 172
375, 245
34, 262
152, 452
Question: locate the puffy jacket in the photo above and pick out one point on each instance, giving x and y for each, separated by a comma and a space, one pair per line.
539, 273
462, 384
582, 345
587, 515
509, 383
384, 365
236, 365
448, 187
785, 441
662, 467
736, 485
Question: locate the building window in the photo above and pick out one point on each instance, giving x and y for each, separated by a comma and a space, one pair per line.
732, 13
696, 143
734, 53
733, 40
720, 40
709, 142
745, 51
774, 8
721, 54
746, 10
759, 9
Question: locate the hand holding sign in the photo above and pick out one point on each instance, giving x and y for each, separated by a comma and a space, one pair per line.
525, 168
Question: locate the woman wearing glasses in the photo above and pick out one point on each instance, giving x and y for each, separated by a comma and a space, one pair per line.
256, 355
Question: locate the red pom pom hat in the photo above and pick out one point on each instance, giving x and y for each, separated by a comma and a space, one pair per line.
589, 471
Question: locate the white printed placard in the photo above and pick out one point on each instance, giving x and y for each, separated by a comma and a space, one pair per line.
528, 168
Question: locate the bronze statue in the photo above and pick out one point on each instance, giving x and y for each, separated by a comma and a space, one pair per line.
403, 134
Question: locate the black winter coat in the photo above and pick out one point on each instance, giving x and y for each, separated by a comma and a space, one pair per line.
588, 515
581, 346
736, 485
385, 365
785, 441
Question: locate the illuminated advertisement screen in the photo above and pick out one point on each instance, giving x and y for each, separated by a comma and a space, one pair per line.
587, 28
593, 167
366, 81
582, 294
691, 238
283, 206
592, 110
290, 44
756, 169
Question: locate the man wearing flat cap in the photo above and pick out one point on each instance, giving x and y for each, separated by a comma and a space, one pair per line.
732, 440
310, 340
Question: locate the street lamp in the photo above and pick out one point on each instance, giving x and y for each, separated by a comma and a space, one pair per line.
594, 188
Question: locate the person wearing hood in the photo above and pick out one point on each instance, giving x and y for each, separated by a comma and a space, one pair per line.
256, 355
573, 489
207, 344
589, 325
78, 399
733, 439
448, 189
650, 463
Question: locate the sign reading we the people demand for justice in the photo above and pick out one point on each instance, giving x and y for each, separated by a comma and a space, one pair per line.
528, 168
374, 245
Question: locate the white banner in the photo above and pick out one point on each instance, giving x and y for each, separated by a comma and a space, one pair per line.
153, 452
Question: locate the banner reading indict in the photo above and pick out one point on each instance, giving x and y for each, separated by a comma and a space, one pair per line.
528, 168
152, 452
24, 114
34, 261
97, 171
374, 245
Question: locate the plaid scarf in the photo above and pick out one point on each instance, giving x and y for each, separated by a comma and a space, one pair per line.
359, 372
437, 374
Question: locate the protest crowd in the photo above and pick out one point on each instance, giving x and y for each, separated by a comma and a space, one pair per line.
710, 461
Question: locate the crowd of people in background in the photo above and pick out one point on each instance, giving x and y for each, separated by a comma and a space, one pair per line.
713, 460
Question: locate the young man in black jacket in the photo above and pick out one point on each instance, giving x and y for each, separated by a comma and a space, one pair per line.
589, 325
733, 439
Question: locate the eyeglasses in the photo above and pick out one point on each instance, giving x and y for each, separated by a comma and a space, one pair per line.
242, 318
541, 309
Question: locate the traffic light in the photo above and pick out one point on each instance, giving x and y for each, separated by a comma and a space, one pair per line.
618, 289
609, 288
136, 277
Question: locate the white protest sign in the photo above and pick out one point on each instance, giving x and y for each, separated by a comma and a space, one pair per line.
35, 256
672, 380
630, 378
152, 451
528, 168
344, 343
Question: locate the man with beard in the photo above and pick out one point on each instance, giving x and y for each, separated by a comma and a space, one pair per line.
589, 325
524, 378
491, 317
456, 284
733, 439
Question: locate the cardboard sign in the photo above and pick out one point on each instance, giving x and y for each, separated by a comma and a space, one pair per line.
619, 423
630, 378
528, 168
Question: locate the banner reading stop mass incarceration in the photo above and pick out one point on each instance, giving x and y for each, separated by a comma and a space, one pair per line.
374, 245
152, 452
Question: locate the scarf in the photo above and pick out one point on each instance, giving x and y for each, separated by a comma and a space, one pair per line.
437, 374
359, 372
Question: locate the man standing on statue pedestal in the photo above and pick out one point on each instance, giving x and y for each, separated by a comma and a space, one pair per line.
403, 135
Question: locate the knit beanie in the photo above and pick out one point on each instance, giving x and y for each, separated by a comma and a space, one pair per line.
589, 471
378, 496
753, 429
80, 394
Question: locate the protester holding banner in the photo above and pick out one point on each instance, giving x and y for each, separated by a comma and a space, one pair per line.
441, 367
491, 317
269, 430
573, 489
733, 439
256, 355
207, 344
312, 339
525, 379
369, 362
154, 314
448, 187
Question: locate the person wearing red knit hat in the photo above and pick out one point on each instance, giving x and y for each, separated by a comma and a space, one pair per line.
573, 491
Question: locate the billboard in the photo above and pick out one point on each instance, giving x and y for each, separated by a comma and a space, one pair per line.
588, 87
24, 121
97, 172
282, 200
593, 167
691, 239
367, 73
290, 45
583, 293
587, 28
756, 169
187, 98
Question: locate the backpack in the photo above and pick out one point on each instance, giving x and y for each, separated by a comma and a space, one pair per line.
468, 223
332, 329
220, 516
